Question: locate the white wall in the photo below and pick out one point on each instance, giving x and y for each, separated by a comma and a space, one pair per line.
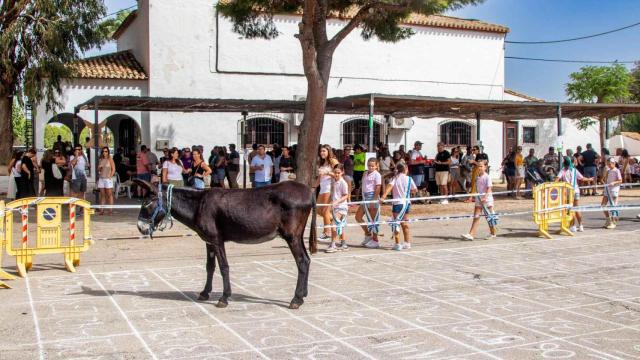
136, 36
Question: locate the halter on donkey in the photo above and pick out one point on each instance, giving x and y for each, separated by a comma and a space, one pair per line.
160, 209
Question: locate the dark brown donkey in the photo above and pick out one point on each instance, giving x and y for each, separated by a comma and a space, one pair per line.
248, 216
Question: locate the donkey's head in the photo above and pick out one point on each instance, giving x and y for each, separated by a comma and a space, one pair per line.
154, 208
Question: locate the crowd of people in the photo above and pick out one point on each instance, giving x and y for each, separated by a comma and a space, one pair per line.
343, 175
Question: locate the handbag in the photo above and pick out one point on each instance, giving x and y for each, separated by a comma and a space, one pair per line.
56, 171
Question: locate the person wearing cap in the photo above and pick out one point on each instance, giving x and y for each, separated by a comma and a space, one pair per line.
416, 163
611, 191
233, 167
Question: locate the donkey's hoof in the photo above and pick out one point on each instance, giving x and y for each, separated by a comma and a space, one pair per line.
203, 296
222, 304
295, 304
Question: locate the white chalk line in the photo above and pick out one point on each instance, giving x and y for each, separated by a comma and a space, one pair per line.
124, 315
476, 311
395, 317
34, 315
210, 315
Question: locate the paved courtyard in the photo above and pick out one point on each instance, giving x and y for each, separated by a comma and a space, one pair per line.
516, 297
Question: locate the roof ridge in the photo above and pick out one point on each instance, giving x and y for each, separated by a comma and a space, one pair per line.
524, 96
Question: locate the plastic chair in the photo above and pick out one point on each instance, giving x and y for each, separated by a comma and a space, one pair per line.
122, 186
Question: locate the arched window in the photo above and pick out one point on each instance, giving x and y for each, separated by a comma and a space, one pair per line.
455, 133
266, 131
356, 131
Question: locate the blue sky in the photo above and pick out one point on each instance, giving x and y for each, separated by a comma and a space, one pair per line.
533, 20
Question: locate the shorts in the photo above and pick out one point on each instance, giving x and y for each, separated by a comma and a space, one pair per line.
442, 178
369, 196
418, 179
590, 171
397, 208
198, 183
145, 177
614, 193
325, 187
520, 171
510, 172
488, 203
260, 184
79, 185
219, 175
340, 211
105, 183
576, 195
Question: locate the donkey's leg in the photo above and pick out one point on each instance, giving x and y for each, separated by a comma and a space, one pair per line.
224, 270
211, 268
302, 261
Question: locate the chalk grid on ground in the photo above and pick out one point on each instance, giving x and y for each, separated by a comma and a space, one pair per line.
572, 298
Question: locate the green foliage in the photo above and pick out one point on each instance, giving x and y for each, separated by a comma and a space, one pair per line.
19, 123
635, 85
584, 123
381, 19
51, 132
110, 25
631, 122
600, 84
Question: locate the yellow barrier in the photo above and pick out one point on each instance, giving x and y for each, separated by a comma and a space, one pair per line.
3, 274
551, 196
49, 233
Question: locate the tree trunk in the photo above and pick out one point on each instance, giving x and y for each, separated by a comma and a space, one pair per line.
6, 129
310, 131
603, 132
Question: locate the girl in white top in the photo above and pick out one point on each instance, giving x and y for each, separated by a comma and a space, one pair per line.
611, 190
326, 162
339, 197
172, 169
483, 186
371, 185
401, 187
572, 176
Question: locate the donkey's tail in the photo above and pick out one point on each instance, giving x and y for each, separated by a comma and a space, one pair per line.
313, 236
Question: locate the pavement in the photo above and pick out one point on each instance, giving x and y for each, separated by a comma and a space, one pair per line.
514, 297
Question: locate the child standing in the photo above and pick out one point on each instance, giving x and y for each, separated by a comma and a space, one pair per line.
611, 190
339, 197
484, 203
402, 187
573, 176
371, 184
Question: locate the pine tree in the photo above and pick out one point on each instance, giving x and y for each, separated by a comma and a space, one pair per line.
37, 39
381, 19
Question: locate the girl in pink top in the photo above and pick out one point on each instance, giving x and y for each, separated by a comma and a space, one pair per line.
371, 184
483, 186
611, 190
401, 187
573, 176
339, 209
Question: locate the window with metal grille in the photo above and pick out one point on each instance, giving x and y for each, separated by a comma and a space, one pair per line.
266, 131
455, 133
356, 131
529, 134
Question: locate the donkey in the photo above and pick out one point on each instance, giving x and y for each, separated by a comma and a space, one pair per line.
247, 216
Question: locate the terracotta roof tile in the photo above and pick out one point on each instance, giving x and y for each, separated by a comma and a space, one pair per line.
454, 23
119, 65
632, 135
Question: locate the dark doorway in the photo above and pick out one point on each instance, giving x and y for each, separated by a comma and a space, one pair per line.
128, 134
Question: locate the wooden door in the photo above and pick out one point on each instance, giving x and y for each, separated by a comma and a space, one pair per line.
510, 137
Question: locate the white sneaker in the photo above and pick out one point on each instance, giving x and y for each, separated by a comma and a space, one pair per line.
406, 246
467, 237
573, 229
331, 248
397, 247
366, 240
638, 216
324, 238
491, 237
611, 225
581, 228
372, 244
444, 202
343, 245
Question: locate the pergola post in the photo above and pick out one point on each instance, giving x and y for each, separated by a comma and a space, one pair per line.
74, 130
371, 101
559, 124
478, 141
242, 143
606, 129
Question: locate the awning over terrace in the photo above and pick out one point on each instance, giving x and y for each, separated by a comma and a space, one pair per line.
395, 105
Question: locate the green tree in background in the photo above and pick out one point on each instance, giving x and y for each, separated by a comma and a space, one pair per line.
110, 25
51, 132
37, 39
631, 122
19, 123
599, 84
381, 19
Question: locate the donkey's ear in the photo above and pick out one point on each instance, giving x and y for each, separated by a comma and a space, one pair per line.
146, 185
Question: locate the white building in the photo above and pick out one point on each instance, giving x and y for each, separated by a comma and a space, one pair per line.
178, 48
